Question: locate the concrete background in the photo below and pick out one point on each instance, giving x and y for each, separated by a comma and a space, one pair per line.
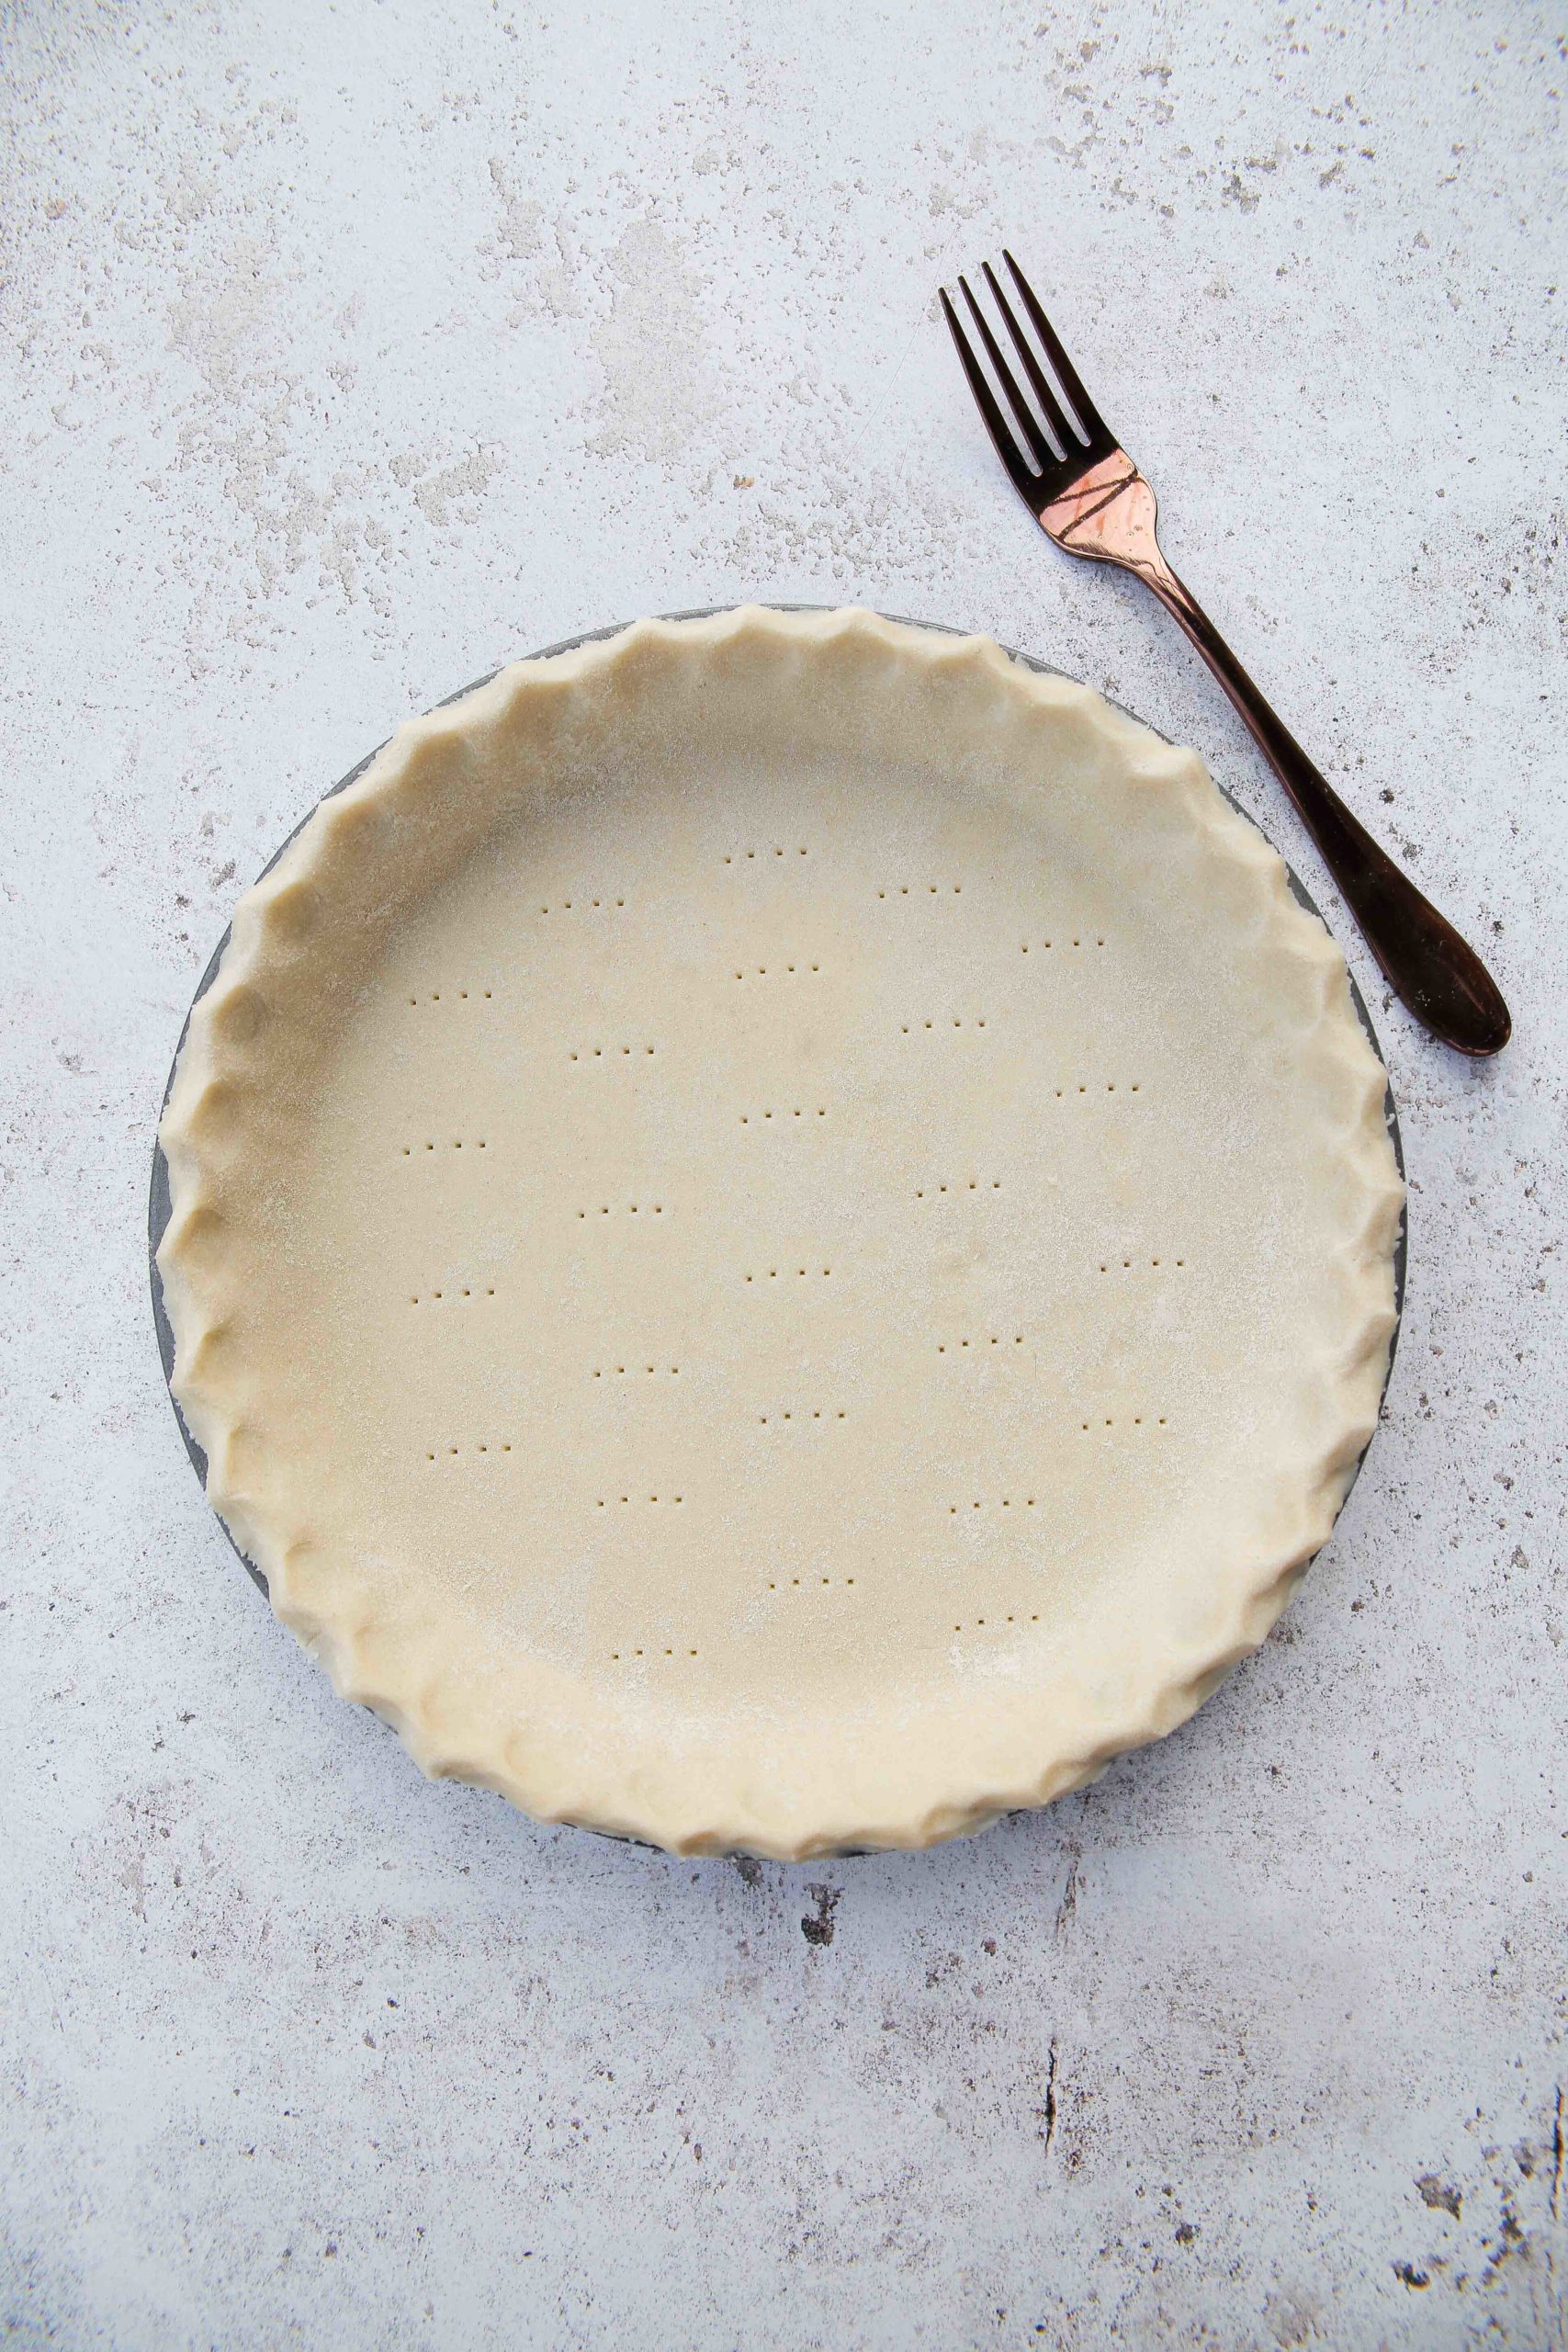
351, 349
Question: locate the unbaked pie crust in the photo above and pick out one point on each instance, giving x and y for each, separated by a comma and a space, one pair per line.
781, 1234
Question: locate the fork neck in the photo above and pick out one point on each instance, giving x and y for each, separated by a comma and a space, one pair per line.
1109, 514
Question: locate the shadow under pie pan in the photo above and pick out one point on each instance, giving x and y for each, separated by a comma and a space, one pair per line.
777, 1231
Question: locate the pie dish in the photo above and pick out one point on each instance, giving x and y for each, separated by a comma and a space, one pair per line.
781, 1234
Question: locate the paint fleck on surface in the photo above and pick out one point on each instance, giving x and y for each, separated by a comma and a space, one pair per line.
818, 1924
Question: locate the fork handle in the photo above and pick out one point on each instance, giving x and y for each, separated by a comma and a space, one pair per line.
1425, 961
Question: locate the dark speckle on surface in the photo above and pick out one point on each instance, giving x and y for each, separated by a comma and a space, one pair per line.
818, 1926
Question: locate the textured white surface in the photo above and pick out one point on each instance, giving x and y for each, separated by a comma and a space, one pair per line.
355, 349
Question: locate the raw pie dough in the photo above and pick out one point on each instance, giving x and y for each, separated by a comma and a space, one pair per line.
783, 1235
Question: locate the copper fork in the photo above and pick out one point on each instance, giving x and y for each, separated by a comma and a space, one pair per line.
1086, 494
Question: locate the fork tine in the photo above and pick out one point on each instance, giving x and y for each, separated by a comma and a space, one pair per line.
1055, 418
1094, 424
1028, 423
985, 400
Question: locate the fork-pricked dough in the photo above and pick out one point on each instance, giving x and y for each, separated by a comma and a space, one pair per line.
781, 1234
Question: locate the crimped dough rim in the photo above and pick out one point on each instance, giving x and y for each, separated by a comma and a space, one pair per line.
686, 1808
